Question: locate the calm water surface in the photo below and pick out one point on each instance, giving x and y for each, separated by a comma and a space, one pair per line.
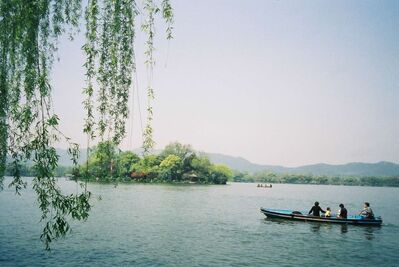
165, 225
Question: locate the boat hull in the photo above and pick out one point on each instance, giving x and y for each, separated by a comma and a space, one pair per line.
293, 215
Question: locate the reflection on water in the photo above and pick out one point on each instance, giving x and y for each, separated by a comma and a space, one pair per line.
317, 228
369, 232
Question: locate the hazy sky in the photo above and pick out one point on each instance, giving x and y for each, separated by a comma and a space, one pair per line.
276, 82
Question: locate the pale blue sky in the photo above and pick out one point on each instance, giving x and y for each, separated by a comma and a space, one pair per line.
276, 82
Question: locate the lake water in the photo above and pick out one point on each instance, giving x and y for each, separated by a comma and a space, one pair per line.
193, 225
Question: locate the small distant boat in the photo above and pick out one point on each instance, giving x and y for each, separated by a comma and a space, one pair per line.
265, 185
298, 216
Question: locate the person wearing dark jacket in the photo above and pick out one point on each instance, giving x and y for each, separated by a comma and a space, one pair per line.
315, 210
343, 213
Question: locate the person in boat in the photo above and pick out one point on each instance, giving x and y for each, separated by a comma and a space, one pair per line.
367, 212
328, 212
342, 213
315, 210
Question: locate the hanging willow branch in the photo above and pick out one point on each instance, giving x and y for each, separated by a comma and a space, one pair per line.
29, 33
111, 46
148, 27
29, 128
115, 66
90, 49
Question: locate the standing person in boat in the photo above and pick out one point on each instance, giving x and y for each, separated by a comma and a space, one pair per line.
315, 210
342, 213
367, 212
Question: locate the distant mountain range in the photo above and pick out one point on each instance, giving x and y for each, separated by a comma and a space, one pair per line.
382, 168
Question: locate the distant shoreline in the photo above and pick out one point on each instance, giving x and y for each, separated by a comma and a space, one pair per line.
273, 178
127, 181
273, 184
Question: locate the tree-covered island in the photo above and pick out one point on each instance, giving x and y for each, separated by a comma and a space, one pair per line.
177, 163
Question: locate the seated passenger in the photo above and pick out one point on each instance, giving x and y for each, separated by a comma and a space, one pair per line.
367, 212
315, 210
328, 212
342, 213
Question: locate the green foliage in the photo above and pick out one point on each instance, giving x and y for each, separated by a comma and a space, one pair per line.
183, 151
107, 163
221, 173
148, 166
176, 163
27, 170
125, 161
171, 168
151, 9
110, 61
201, 168
269, 177
29, 34
102, 161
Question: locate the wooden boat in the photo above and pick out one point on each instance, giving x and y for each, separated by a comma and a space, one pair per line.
299, 216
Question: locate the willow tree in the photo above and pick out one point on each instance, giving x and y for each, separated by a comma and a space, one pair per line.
29, 34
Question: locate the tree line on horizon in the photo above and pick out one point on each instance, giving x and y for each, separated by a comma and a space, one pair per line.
289, 178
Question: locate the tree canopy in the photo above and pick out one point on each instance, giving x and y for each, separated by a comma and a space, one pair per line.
176, 163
